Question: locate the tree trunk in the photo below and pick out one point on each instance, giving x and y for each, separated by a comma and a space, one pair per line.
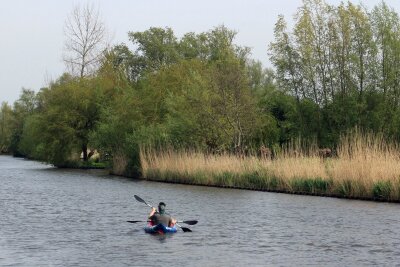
84, 152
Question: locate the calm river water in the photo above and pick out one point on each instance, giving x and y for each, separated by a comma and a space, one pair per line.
53, 217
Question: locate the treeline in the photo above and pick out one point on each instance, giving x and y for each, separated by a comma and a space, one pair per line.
198, 91
337, 69
341, 64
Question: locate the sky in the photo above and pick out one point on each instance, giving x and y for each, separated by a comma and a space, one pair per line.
32, 37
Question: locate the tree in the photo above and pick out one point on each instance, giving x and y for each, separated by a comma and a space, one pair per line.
70, 112
386, 32
363, 50
24, 107
156, 47
194, 46
221, 45
159, 47
286, 61
85, 40
234, 102
31, 143
5, 127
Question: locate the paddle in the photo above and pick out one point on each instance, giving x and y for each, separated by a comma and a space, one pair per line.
184, 229
141, 200
187, 222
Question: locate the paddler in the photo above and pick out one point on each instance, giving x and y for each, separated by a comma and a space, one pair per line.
161, 216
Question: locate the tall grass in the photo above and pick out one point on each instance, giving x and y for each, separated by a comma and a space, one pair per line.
120, 163
366, 166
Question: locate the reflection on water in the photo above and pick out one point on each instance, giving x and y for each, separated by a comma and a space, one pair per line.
52, 217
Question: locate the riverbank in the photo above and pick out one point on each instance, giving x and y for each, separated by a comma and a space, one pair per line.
366, 167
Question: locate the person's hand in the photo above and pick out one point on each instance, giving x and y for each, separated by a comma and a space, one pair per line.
153, 209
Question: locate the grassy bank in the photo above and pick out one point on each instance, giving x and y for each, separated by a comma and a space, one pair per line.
366, 167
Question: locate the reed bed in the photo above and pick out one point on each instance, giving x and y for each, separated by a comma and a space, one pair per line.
366, 167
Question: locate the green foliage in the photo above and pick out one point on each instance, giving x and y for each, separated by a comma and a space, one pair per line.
24, 107
118, 131
6, 117
31, 143
192, 92
283, 110
346, 188
306, 185
191, 119
340, 63
156, 47
71, 114
55, 124
382, 189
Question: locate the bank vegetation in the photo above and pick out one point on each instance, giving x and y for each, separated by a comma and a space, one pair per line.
366, 167
201, 98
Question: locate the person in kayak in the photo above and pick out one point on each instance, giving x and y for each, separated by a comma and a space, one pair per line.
161, 216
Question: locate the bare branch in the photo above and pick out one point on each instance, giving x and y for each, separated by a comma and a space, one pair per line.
85, 40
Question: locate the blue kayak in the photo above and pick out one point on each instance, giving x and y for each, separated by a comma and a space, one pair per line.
159, 229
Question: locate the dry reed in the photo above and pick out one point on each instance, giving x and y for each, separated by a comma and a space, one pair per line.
366, 166
120, 163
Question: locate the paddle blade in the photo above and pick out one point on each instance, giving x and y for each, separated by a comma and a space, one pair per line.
186, 229
192, 222
140, 199
134, 221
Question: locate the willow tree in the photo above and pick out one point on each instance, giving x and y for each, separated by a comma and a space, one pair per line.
70, 113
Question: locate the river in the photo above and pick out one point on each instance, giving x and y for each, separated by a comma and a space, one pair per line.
59, 217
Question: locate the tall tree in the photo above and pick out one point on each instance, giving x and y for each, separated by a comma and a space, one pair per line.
286, 60
85, 41
363, 49
386, 32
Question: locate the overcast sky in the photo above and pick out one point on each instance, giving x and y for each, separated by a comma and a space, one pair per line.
32, 38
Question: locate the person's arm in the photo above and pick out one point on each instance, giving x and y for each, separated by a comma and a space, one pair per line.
153, 210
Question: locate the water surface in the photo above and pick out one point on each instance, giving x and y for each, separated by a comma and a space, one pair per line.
55, 217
